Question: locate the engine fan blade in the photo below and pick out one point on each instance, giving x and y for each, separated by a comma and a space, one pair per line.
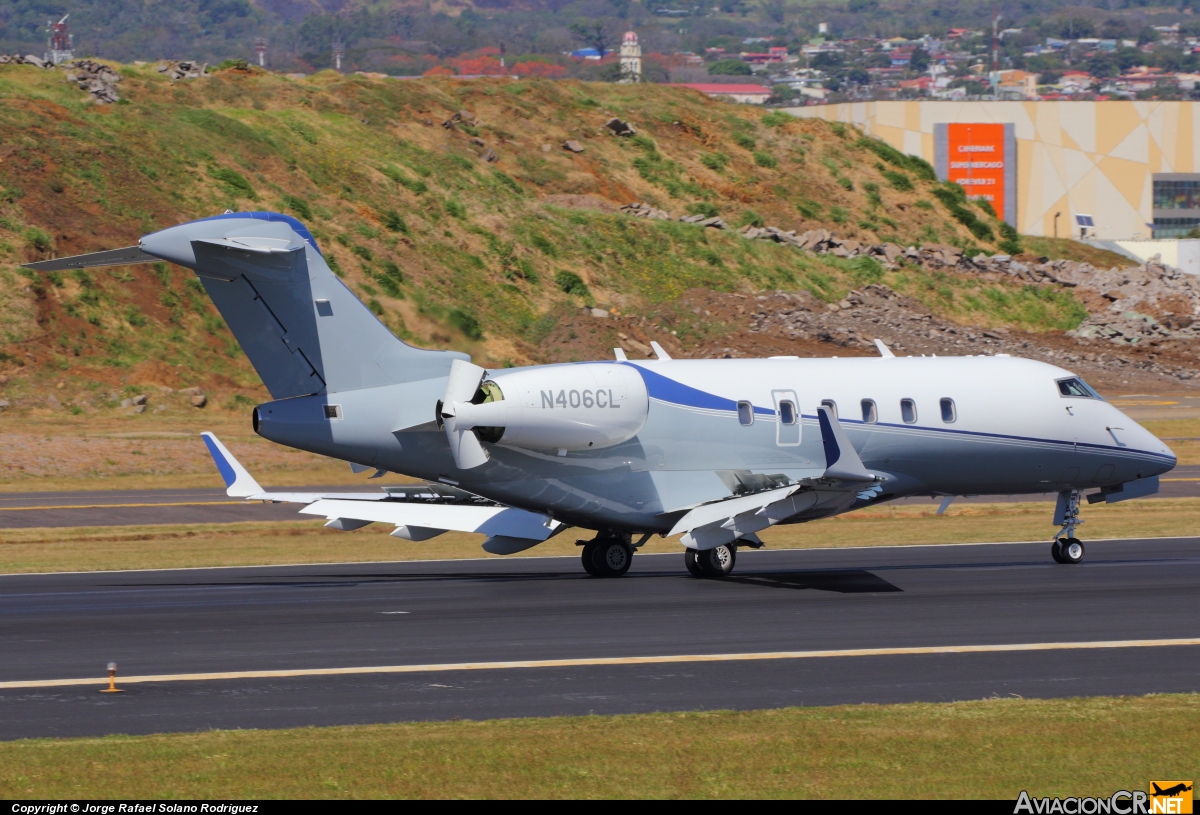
464, 444
464, 381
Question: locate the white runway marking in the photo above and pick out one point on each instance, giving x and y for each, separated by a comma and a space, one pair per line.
599, 661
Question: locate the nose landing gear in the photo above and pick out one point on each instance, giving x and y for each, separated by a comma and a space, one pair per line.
1067, 549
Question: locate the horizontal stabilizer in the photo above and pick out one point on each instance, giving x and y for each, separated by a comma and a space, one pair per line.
490, 521
112, 257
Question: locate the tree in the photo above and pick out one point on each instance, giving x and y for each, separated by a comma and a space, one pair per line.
594, 34
858, 76
827, 60
862, 6
729, 67
919, 60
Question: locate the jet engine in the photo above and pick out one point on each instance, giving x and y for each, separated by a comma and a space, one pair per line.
565, 407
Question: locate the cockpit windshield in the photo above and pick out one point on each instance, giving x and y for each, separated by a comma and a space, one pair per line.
1077, 389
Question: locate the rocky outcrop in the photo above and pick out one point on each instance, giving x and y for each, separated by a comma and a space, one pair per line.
182, 70
97, 79
1135, 304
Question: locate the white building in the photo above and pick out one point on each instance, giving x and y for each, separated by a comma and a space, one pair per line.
631, 58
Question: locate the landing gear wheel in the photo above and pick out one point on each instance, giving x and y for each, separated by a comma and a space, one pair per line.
718, 561
693, 564
1071, 550
612, 557
589, 559
1056, 551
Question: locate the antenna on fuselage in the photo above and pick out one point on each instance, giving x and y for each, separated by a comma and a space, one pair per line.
658, 350
884, 351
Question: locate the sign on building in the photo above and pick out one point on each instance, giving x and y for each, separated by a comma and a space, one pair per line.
982, 159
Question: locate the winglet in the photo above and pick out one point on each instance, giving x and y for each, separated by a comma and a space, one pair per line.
884, 351
841, 459
238, 482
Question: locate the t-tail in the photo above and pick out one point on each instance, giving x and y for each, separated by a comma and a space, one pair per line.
303, 330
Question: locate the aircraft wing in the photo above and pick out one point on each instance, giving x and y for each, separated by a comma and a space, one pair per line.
418, 511
741, 517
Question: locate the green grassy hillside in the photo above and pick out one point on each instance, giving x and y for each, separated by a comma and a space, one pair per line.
449, 248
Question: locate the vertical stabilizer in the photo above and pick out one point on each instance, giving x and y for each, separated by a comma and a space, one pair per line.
302, 329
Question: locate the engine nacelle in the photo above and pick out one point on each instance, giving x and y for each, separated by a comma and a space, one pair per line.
565, 407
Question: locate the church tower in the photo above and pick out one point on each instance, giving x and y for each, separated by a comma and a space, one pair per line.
631, 58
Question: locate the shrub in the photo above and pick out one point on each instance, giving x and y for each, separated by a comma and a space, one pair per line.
714, 161
456, 209
838, 128
234, 182
764, 159
39, 238
986, 206
809, 209
703, 208
644, 142
845, 183
923, 169
393, 221
298, 206
751, 218
923, 204
362, 251
838, 215
541, 243
467, 323
232, 64
415, 185
744, 140
572, 283
898, 180
777, 118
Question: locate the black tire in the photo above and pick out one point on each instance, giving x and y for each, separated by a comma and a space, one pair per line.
718, 561
612, 557
1072, 551
693, 565
1056, 551
589, 559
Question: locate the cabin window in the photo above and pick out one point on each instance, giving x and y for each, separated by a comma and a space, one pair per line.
949, 413
787, 412
333, 411
869, 411
746, 413
908, 411
1075, 388
832, 405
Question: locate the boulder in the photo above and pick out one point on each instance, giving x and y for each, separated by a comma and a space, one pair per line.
199, 401
620, 128
573, 146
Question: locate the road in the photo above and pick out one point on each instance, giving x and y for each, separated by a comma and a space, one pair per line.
781, 607
148, 507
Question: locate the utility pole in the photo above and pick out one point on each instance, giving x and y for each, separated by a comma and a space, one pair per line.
995, 50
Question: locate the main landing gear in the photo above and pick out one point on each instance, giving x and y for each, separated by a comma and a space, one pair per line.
716, 562
607, 555
1067, 548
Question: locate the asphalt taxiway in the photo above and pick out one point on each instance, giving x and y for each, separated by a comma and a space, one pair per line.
194, 506
337, 644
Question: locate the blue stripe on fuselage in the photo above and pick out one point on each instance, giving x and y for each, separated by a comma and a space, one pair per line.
665, 389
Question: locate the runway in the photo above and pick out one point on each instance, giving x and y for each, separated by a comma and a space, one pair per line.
932, 600
194, 506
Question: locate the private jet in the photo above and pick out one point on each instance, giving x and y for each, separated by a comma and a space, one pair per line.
712, 450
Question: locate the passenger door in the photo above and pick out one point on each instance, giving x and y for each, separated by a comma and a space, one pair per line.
787, 414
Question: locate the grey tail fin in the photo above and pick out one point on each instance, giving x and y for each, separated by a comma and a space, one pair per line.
302, 329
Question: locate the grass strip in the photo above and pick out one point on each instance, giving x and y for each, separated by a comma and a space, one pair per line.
306, 541
991, 748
